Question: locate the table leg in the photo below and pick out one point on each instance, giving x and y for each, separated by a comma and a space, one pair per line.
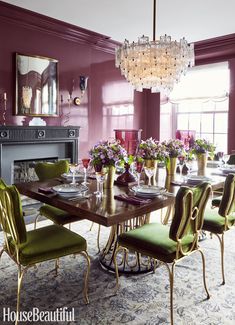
131, 262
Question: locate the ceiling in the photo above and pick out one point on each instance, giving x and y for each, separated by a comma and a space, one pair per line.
195, 20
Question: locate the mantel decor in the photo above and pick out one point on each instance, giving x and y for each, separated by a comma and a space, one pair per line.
36, 86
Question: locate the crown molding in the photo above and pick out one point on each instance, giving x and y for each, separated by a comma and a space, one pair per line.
41, 23
215, 49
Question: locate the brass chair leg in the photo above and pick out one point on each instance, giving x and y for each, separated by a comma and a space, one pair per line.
92, 224
85, 291
204, 273
221, 241
171, 279
98, 239
20, 278
57, 265
1, 252
35, 221
116, 265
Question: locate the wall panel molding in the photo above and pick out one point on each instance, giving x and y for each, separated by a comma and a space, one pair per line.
32, 20
216, 49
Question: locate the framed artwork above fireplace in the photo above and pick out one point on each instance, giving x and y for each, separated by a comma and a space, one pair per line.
36, 86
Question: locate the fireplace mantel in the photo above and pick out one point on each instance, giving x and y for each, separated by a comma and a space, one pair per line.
36, 142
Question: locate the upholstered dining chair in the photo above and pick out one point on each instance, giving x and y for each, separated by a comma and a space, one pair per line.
27, 248
2, 186
231, 160
45, 171
218, 221
169, 245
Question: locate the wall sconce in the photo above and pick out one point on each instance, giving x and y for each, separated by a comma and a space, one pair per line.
83, 87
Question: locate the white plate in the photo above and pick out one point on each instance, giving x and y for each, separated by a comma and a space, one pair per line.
198, 179
69, 188
228, 169
148, 191
69, 195
70, 176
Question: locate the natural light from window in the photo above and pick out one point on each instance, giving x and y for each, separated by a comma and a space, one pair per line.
199, 103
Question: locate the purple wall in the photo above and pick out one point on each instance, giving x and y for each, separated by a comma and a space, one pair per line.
109, 101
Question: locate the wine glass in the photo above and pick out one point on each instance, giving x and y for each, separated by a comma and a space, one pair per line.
85, 163
225, 159
98, 169
149, 171
73, 168
181, 160
139, 167
100, 177
220, 155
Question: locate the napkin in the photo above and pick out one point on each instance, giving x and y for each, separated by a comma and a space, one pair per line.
131, 199
46, 190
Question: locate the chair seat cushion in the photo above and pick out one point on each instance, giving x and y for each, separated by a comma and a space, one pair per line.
58, 216
153, 240
214, 223
48, 243
216, 202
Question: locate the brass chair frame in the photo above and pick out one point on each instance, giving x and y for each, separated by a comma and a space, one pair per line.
6, 220
196, 216
225, 212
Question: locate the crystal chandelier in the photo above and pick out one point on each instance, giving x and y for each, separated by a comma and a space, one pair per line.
157, 64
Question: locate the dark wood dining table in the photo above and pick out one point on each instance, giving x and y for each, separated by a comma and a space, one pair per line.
108, 211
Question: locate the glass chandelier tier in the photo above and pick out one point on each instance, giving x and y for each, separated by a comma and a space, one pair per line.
157, 64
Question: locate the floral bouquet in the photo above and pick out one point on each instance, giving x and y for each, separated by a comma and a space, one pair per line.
173, 148
107, 153
150, 149
203, 146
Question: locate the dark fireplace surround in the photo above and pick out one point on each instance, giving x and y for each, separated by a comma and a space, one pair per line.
19, 143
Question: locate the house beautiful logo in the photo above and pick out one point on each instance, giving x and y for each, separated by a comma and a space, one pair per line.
36, 315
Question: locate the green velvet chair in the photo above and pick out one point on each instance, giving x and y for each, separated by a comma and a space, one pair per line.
27, 248
217, 222
169, 245
231, 160
2, 186
45, 171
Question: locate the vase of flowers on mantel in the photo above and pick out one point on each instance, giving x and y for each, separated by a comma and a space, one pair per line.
202, 148
173, 148
150, 152
104, 156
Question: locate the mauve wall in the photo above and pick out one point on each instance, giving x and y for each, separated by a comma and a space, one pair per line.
109, 101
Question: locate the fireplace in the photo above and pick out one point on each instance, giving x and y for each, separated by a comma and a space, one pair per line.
31, 144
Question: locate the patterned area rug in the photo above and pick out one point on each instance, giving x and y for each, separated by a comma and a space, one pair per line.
142, 299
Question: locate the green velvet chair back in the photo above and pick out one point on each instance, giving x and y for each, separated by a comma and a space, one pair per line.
183, 210
2, 184
190, 204
201, 194
47, 170
228, 197
11, 215
231, 160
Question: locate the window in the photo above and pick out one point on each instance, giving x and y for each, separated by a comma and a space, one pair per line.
200, 103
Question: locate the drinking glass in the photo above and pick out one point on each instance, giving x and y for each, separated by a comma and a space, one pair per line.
149, 171
85, 163
181, 160
73, 168
225, 159
100, 177
220, 155
139, 167
98, 169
